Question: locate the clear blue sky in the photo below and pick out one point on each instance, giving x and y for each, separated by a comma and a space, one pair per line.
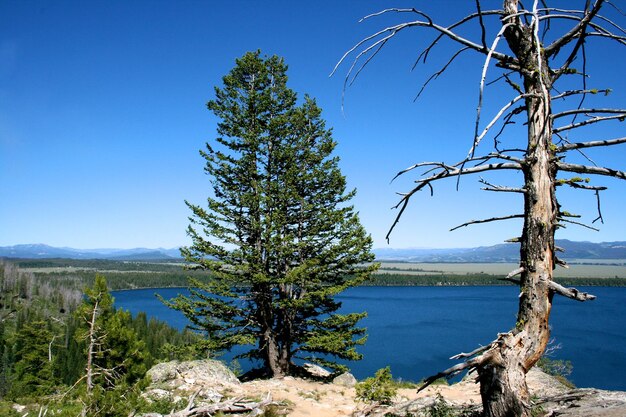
102, 113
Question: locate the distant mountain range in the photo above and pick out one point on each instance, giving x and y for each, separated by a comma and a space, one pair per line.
41, 251
507, 252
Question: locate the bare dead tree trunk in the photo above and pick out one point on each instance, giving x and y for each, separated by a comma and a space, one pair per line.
502, 379
502, 365
93, 341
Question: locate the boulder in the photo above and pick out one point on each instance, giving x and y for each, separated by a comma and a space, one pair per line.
541, 384
157, 394
186, 375
162, 372
586, 402
345, 380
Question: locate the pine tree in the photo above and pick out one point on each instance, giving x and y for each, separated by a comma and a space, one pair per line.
278, 236
33, 370
115, 356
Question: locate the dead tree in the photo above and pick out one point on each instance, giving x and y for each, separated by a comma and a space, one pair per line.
539, 59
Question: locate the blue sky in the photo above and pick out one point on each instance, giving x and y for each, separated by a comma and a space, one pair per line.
102, 114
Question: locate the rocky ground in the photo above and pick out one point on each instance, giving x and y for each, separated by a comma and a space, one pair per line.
210, 385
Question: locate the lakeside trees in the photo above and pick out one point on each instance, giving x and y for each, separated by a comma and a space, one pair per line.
545, 48
278, 235
48, 332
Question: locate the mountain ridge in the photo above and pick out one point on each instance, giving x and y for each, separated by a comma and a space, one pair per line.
43, 251
504, 252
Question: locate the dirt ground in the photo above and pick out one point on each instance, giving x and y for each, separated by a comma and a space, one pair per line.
307, 398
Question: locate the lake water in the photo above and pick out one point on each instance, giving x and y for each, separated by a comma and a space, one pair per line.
416, 329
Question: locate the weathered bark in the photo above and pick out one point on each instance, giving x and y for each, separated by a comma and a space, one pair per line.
503, 375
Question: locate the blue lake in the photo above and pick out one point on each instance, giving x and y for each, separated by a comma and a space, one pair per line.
416, 329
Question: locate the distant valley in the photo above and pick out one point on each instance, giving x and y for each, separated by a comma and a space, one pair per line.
605, 252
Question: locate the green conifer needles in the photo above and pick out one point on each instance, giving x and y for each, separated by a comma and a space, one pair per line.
278, 234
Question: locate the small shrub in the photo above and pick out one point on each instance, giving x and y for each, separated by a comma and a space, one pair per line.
235, 368
441, 408
558, 368
380, 388
400, 383
537, 411
271, 411
7, 410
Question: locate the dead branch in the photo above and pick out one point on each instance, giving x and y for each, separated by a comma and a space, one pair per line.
561, 262
586, 169
441, 71
579, 224
507, 121
424, 164
424, 55
588, 111
481, 159
483, 31
584, 155
572, 293
601, 31
452, 371
500, 188
385, 11
490, 53
620, 39
391, 31
586, 187
576, 92
555, 46
492, 219
598, 16
474, 352
515, 272
402, 204
581, 145
486, 355
233, 406
497, 117
580, 45
619, 117
599, 210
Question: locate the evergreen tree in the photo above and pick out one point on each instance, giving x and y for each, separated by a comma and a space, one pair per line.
115, 356
33, 370
278, 236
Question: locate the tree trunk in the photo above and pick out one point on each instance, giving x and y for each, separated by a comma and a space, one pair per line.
272, 354
503, 377
93, 340
277, 348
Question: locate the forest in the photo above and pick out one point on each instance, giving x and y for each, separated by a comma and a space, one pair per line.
124, 275
44, 345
